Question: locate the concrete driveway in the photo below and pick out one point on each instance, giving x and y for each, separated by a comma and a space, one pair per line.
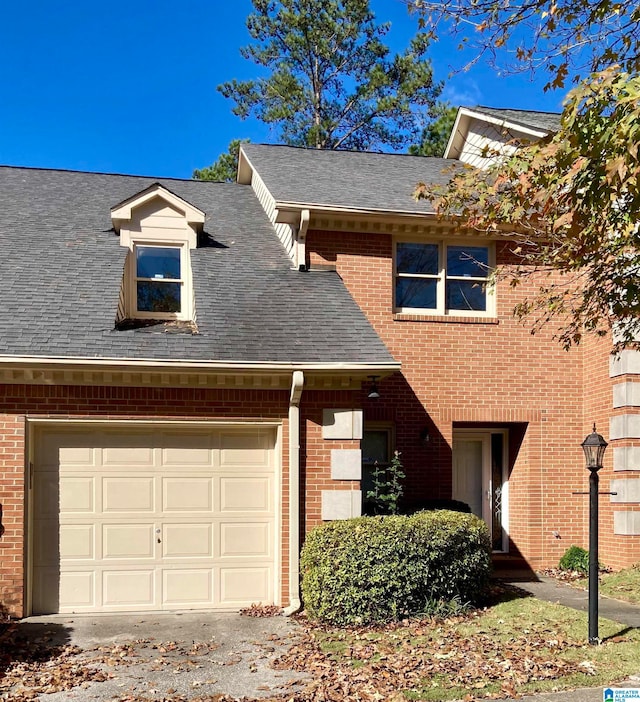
159, 656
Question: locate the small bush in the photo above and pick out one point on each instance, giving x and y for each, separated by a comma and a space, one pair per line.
380, 568
419, 505
575, 558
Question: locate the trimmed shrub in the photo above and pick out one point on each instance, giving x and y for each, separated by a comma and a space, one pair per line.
373, 569
575, 558
452, 505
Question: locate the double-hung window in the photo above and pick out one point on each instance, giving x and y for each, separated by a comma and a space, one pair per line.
443, 278
159, 280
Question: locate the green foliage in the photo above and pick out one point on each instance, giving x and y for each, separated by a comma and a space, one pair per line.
383, 568
387, 486
575, 558
329, 81
224, 170
435, 136
570, 204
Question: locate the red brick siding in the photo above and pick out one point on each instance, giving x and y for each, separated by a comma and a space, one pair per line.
484, 372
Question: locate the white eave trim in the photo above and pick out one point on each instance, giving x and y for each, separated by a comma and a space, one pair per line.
465, 115
289, 212
178, 365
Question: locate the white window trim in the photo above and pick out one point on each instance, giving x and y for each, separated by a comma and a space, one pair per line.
441, 278
186, 296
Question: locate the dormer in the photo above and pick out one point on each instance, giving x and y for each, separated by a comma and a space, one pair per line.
159, 229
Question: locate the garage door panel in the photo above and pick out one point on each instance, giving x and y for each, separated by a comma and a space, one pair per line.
187, 449
245, 494
184, 494
46, 589
127, 494
140, 519
240, 585
76, 451
252, 451
188, 587
127, 588
128, 451
128, 541
46, 548
77, 494
245, 540
77, 542
78, 589
46, 495
187, 541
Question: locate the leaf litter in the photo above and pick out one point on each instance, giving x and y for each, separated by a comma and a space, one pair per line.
370, 664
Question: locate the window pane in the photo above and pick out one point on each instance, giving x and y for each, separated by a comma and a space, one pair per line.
417, 258
158, 297
375, 446
416, 292
466, 295
157, 262
468, 261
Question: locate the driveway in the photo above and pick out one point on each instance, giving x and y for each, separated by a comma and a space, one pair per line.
150, 657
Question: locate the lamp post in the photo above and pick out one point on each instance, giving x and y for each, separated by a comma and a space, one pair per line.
593, 446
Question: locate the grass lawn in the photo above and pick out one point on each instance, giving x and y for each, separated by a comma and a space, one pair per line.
517, 645
624, 585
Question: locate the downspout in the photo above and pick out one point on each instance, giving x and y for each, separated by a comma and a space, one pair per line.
301, 241
297, 381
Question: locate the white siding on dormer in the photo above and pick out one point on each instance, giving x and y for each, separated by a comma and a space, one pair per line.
485, 139
285, 232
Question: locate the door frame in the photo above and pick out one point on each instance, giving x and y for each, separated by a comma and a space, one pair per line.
484, 434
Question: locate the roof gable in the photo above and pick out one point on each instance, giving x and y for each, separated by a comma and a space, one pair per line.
124, 211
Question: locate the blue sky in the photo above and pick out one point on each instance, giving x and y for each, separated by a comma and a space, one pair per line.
129, 86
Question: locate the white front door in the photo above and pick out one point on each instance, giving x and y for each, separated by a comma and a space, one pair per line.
480, 479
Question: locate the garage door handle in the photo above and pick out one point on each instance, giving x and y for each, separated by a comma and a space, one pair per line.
159, 540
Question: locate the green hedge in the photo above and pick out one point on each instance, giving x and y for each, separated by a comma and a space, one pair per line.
379, 568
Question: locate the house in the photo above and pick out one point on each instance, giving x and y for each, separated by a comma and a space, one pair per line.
187, 368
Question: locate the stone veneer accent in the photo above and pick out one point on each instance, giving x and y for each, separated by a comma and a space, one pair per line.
346, 464
626, 458
341, 504
626, 523
341, 424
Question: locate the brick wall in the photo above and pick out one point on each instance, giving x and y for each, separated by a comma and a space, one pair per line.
470, 372
20, 401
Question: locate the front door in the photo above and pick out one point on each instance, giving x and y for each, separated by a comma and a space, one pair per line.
480, 479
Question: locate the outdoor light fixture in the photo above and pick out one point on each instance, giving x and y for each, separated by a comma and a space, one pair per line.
373, 390
593, 446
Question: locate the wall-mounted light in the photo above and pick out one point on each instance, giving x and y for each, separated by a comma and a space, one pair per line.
425, 437
373, 389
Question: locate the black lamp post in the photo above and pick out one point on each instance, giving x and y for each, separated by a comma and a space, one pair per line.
593, 446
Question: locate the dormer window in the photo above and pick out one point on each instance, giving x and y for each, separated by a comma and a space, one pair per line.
159, 279
159, 229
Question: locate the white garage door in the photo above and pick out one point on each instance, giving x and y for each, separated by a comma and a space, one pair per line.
130, 519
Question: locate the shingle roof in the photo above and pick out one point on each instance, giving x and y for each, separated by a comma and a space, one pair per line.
351, 179
546, 121
62, 268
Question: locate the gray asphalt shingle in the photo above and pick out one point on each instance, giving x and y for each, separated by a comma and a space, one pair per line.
356, 180
63, 265
547, 121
